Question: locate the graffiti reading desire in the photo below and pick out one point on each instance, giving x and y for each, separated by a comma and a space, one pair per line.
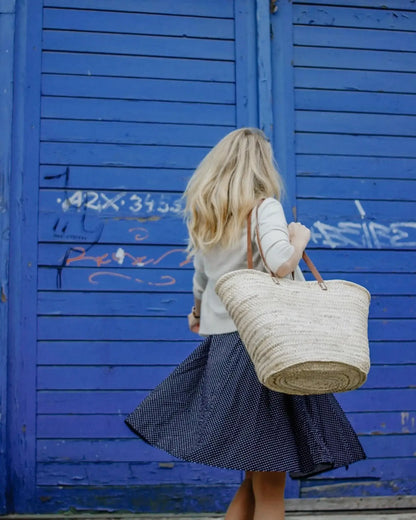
364, 234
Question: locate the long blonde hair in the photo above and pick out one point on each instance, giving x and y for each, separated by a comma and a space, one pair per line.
226, 185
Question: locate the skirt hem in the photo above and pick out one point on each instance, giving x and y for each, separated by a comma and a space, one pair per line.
295, 474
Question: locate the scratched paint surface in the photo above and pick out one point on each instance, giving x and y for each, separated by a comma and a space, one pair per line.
355, 163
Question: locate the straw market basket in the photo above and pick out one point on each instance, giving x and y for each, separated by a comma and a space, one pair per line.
303, 337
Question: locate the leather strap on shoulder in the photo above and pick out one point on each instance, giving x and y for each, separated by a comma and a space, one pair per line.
305, 257
249, 244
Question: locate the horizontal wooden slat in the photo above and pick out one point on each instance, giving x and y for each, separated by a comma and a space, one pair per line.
360, 102
359, 224
383, 423
354, 80
349, 166
360, 489
124, 450
82, 426
135, 45
149, 280
105, 378
138, 257
131, 133
136, 88
137, 111
138, 23
147, 377
126, 304
372, 235
347, 17
70, 227
391, 330
136, 304
110, 304
118, 328
354, 59
113, 426
101, 401
98, 451
384, 40
131, 473
137, 67
115, 352
92, 178
385, 284
185, 7
181, 497
137, 204
380, 469
366, 400
172, 352
94, 478
374, 4
397, 352
393, 307
80, 402
357, 124
355, 188
147, 258
349, 210
130, 155
361, 145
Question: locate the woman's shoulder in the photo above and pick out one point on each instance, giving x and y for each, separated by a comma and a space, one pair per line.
270, 208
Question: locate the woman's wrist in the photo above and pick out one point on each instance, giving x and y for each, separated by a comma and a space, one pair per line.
195, 314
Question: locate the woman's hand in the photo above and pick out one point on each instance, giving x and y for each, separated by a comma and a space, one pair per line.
299, 235
193, 323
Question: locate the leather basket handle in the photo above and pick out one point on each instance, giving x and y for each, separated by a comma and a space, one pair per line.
305, 257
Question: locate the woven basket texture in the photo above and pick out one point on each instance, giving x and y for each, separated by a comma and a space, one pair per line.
302, 339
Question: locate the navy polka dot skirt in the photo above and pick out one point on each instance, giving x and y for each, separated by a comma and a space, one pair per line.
213, 410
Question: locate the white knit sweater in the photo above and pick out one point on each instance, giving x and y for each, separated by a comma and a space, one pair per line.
211, 266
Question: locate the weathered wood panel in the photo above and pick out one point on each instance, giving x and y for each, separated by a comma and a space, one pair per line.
23, 211
353, 75
7, 23
133, 96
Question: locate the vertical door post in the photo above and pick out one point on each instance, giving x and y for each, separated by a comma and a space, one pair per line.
21, 398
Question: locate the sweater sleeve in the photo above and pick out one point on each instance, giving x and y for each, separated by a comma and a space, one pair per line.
200, 279
274, 235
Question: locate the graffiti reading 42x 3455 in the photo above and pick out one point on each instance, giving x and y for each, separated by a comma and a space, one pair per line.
115, 201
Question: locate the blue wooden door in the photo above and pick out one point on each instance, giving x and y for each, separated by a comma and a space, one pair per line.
119, 102
344, 91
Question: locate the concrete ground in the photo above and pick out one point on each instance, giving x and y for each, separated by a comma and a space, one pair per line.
316, 515
347, 508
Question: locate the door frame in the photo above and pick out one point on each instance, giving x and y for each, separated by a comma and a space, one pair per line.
7, 23
22, 315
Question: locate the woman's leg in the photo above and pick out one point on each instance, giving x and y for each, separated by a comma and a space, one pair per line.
242, 505
268, 489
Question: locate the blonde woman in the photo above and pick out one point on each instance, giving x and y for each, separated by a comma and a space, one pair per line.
212, 409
